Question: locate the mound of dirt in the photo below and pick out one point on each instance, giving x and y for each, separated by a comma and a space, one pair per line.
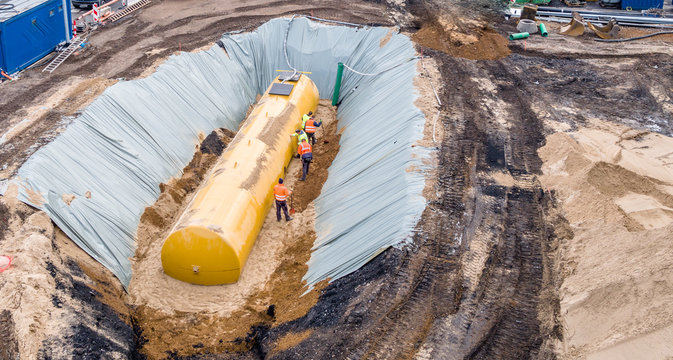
462, 38
616, 190
215, 143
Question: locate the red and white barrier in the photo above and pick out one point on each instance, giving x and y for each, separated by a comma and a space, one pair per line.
74, 29
91, 11
96, 15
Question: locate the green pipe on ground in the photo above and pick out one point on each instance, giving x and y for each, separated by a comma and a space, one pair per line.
543, 30
337, 86
518, 36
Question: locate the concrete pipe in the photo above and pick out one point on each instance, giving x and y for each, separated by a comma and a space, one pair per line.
212, 239
527, 25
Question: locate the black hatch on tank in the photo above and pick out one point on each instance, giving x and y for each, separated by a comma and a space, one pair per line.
281, 89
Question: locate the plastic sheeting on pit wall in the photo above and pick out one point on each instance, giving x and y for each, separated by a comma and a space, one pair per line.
142, 132
136, 135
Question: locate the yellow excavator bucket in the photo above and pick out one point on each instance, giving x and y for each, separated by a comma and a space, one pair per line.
212, 239
576, 26
609, 31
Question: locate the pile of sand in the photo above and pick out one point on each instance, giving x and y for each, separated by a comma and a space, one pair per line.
616, 189
26, 287
51, 297
470, 39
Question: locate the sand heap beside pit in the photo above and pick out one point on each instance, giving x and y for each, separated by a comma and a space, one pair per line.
616, 189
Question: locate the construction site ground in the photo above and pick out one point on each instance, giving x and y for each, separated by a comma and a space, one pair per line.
547, 232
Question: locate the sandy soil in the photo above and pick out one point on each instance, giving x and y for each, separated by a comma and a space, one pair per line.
614, 184
54, 290
429, 85
26, 297
506, 262
462, 37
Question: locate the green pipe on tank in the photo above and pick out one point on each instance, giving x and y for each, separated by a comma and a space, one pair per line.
337, 86
518, 36
543, 30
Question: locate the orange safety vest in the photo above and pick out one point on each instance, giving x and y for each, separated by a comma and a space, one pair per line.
304, 148
280, 192
310, 127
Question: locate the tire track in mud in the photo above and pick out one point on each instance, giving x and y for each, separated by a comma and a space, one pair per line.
434, 269
9, 345
499, 318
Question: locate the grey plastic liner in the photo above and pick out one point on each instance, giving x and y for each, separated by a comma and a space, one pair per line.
143, 132
136, 135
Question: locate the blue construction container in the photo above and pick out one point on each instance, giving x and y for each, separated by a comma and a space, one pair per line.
642, 4
31, 29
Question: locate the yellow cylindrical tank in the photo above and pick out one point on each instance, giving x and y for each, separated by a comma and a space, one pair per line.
212, 239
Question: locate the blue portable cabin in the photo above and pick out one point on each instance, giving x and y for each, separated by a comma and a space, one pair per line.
642, 4
31, 29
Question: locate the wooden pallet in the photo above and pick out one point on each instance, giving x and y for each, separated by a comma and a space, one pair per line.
120, 14
76, 42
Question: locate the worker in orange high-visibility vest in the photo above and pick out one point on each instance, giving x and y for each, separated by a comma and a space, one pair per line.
310, 128
305, 118
306, 153
280, 193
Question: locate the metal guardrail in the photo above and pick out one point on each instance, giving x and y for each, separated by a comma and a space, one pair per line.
607, 12
607, 17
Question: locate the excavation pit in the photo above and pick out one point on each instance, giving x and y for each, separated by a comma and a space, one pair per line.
164, 118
